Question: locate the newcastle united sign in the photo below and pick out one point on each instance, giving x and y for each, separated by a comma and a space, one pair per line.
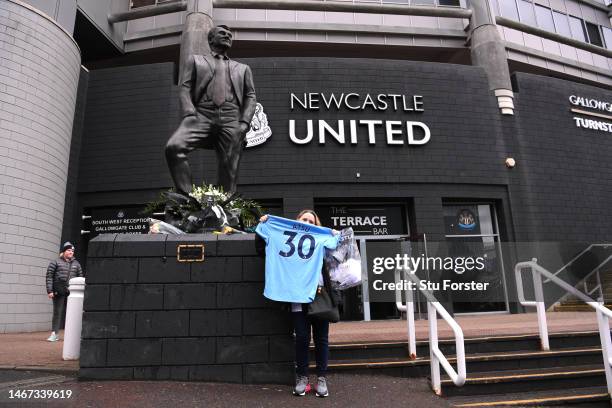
354, 131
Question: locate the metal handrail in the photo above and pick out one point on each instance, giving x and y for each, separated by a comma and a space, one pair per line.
409, 309
436, 356
148, 11
603, 313
578, 256
585, 281
343, 6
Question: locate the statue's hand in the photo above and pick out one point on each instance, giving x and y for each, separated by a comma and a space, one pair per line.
244, 128
189, 119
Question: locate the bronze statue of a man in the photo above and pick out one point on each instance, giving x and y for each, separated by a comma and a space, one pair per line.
217, 101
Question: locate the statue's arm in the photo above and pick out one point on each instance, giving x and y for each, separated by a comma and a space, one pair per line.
249, 101
185, 90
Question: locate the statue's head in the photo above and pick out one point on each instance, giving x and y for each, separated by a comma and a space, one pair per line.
220, 38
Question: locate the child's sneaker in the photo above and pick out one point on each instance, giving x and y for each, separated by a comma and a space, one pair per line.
321, 390
53, 337
302, 386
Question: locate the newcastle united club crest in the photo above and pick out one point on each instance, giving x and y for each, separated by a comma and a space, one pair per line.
260, 131
466, 220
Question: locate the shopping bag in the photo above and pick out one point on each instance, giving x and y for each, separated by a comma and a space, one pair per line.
344, 263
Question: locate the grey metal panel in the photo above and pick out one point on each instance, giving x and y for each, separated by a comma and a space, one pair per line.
371, 39
533, 41
600, 62
512, 35
225, 14
252, 15
368, 18
419, 21
345, 38
552, 36
551, 46
573, 8
339, 18
171, 19
397, 20
46, 6
343, 6
62, 12
310, 16
568, 52
250, 35
97, 12
589, 13
602, 19
297, 27
558, 5
66, 14
141, 24
312, 37
281, 15
282, 36
397, 40
450, 23
577, 68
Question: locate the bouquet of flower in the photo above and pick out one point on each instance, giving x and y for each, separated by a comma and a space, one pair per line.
207, 208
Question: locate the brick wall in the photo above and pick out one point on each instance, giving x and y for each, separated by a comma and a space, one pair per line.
39, 73
147, 316
566, 170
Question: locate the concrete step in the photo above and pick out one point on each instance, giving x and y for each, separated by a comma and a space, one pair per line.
516, 381
576, 307
588, 396
476, 362
491, 344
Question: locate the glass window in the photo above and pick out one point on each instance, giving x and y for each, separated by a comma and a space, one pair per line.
141, 3
577, 28
526, 12
452, 3
594, 35
423, 2
545, 18
508, 9
607, 32
562, 24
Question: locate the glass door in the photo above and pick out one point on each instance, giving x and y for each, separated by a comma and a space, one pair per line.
472, 231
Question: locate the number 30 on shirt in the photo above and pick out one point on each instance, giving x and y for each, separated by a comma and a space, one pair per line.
300, 245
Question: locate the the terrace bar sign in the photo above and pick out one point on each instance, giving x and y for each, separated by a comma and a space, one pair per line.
397, 132
364, 219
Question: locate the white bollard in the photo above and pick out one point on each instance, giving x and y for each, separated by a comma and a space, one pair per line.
74, 319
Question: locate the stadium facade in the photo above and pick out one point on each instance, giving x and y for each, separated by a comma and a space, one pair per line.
477, 121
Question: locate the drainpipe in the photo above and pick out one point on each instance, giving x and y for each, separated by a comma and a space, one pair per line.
488, 51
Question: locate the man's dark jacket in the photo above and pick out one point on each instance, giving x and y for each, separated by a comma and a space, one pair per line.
61, 271
199, 71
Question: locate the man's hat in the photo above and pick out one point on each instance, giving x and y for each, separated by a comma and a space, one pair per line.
67, 245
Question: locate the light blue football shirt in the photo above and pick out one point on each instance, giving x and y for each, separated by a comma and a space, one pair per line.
294, 257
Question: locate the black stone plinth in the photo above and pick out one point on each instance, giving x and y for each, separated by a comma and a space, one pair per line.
149, 317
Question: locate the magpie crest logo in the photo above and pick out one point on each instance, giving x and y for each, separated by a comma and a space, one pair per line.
260, 130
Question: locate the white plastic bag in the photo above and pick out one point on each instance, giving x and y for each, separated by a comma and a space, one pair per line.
344, 263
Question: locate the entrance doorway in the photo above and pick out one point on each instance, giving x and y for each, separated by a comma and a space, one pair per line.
472, 230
